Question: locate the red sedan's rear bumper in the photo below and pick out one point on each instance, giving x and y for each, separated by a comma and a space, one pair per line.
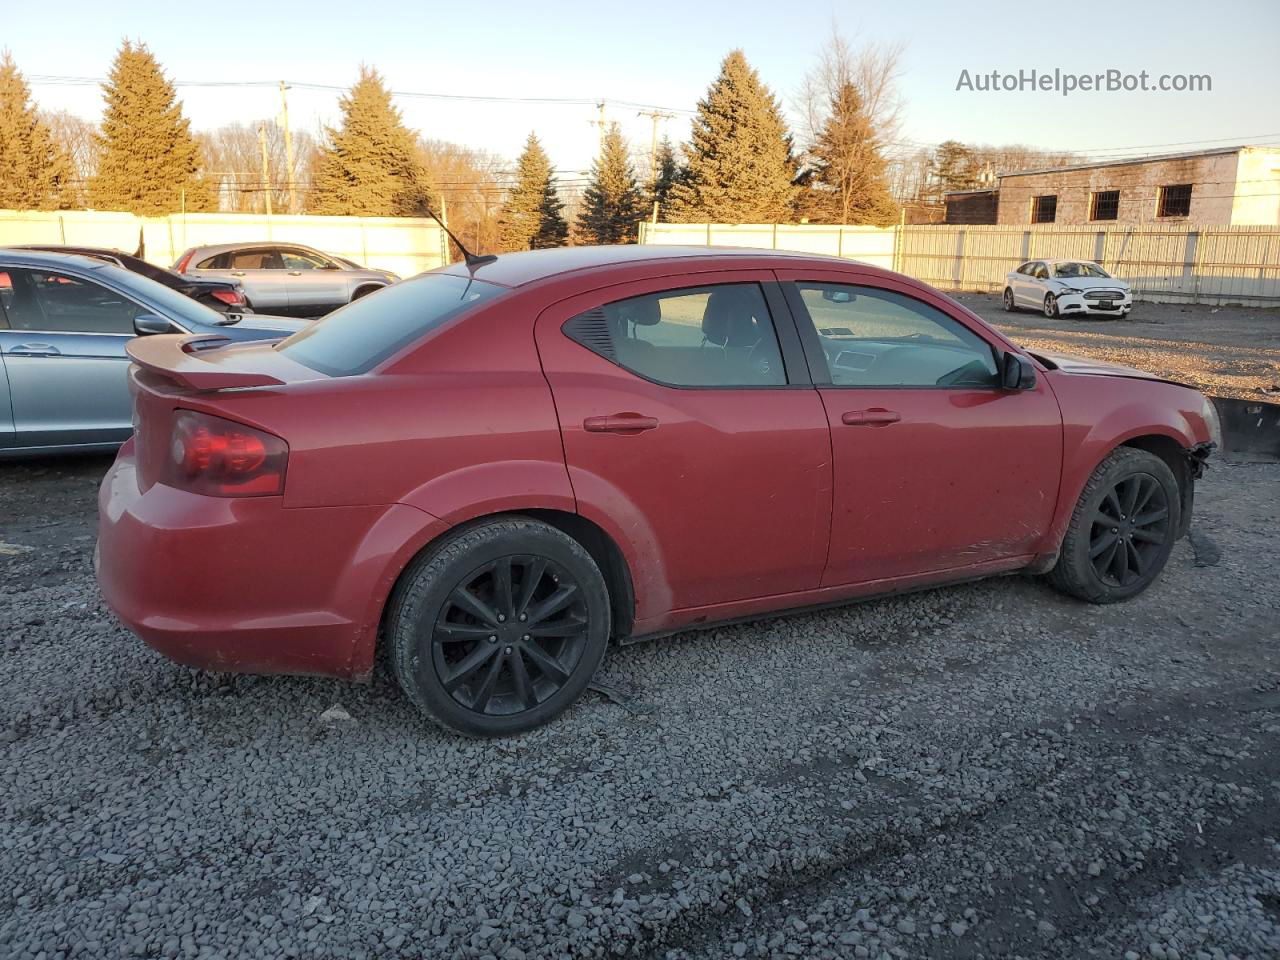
246, 584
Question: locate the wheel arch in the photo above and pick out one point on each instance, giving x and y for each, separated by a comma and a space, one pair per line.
366, 288
1174, 454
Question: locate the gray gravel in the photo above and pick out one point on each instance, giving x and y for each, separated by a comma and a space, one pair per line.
981, 771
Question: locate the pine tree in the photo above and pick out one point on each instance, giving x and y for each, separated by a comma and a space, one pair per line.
369, 167
740, 168
149, 162
611, 203
532, 216
955, 167
848, 171
35, 173
669, 174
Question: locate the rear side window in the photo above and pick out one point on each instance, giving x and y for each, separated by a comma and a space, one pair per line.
712, 336
256, 260
358, 337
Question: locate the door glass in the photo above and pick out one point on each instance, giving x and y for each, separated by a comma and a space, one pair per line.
256, 260
53, 302
298, 260
713, 336
878, 338
6, 295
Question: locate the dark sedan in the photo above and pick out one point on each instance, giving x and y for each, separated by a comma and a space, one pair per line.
225, 296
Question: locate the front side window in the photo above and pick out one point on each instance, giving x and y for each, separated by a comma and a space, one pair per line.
713, 336
356, 338
879, 338
1041, 272
1044, 209
56, 303
300, 260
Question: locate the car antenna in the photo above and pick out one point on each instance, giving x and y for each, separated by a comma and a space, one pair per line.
471, 259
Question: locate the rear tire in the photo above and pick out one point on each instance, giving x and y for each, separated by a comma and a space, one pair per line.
1122, 530
499, 628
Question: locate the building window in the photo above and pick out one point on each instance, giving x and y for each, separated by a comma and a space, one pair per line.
1175, 201
1105, 205
1044, 209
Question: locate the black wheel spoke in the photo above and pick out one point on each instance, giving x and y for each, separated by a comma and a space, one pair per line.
1110, 501
533, 575
1135, 557
502, 597
1147, 536
1115, 562
1153, 516
1102, 543
548, 664
1129, 498
456, 632
467, 601
469, 665
1149, 488
485, 691
524, 688
566, 627
564, 594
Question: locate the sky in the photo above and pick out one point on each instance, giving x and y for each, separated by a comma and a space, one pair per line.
664, 53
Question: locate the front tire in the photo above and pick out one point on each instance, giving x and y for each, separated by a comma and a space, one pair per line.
500, 628
1051, 306
1008, 300
1122, 530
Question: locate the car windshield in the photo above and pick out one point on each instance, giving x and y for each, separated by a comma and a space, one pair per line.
1079, 270
358, 337
169, 302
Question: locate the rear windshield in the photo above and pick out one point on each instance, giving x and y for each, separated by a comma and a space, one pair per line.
361, 335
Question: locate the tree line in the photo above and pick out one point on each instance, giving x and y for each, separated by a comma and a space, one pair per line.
742, 163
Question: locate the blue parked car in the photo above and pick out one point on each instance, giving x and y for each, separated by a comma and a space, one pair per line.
64, 323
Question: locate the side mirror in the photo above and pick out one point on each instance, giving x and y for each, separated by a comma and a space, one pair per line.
147, 324
1017, 372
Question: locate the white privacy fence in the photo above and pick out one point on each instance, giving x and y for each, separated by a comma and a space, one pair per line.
403, 245
1172, 263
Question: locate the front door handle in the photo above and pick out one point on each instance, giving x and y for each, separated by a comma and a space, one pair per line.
874, 417
624, 423
35, 350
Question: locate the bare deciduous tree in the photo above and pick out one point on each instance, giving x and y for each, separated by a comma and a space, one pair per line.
471, 183
233, 158
75, 135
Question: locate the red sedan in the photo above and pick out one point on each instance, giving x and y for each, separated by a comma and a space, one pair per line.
493, 470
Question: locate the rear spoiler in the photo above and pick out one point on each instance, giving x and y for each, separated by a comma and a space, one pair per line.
193, 361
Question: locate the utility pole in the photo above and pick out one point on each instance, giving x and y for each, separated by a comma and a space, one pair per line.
600, 123
266, 166
655, 116
290, 174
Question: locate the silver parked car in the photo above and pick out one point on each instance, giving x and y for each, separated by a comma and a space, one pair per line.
1063, 288
64, 323
285, 278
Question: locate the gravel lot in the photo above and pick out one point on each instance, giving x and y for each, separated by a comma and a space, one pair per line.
980, 771
1225, 351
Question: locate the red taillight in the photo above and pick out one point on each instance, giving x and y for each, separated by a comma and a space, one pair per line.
181, 265
222, 458
232, 298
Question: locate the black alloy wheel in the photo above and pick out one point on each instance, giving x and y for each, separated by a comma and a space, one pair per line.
499, 626
510, 635
1129, 530
1122, 529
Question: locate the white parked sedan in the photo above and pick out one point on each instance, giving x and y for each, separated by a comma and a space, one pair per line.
1066, 287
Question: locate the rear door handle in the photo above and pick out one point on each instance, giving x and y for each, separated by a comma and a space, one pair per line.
295, 273
626, 423
35, 350
874, 417
237, 273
